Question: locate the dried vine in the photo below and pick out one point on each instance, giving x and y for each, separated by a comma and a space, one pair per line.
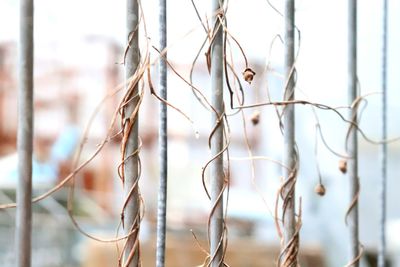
238, 104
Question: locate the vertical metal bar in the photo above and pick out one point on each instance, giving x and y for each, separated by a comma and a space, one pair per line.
132, 209
383, 154
163, 141
289, 152
217, 139
25, 136
353, 141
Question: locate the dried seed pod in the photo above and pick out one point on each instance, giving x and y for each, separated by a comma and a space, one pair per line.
343, 166
320, 189
255, 117
248, 75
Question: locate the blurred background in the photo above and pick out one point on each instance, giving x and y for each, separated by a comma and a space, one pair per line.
79, 47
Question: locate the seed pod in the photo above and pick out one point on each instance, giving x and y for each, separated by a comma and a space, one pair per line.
320, 189
248, 75
255, 117
343, 166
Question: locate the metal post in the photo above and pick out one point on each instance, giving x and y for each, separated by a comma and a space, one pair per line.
352, 137
382, 219
217, 139
163, 141
25, 136
132, 209
289, 152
